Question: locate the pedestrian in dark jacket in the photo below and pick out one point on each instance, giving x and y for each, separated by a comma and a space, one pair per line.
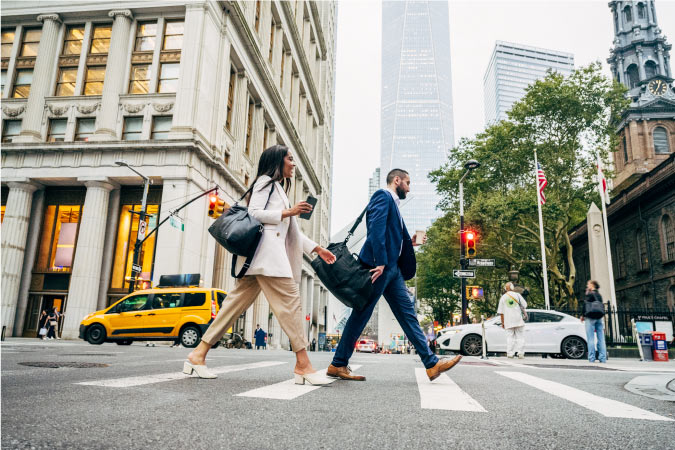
42, 323
259, 336
594, 311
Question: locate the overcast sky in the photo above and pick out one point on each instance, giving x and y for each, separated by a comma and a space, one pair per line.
583, 28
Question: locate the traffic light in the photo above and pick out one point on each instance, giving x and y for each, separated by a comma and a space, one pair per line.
216, 206
470, 238
474, 292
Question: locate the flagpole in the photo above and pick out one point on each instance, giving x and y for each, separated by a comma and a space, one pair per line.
541, 233
608, 250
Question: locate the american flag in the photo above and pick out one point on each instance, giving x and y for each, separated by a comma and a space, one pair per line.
541, 183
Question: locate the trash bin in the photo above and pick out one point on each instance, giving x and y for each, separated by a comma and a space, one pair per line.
659, 346
646, 343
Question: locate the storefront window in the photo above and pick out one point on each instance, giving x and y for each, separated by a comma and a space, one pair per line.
59, 235
127, 232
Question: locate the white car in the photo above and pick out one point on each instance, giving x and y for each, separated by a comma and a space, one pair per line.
546, 331
366, 345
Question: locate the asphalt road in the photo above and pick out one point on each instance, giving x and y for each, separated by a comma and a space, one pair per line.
140, 400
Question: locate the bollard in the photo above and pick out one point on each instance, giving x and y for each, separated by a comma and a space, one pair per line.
484, 345
637, 339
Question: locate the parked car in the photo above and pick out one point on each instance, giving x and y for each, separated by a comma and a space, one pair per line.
546, 331
366, 345
162, 314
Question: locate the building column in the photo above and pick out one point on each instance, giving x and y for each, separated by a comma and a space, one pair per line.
619, 61
649, 13
113, 219
667, 64
258, 131
662, 63
113, 84
86, 277
248, 325
239, 117
641, 67
36, 215
14, 233
31, 127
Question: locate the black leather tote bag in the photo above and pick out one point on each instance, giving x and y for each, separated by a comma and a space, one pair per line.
347, 278
239, 232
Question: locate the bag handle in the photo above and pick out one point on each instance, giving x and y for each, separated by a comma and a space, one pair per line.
356, 224
249, 259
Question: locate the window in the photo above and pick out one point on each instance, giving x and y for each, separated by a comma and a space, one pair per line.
59, 236
57, 130
31, 42
643, 258
168, 79
139, 82
249, 126
65, 85
24, 78
221, 299
100, 42
7, 43
161, 125
194, 299
135, 303
230, 101
671, 298
660, 136
132, 128
85, 129
10, 129
641, 11
93, 83
620, 259
72, 44
281, 77
625, 149
633, 76
627, 15
257, 15
166, 300
668, 237
3, 82
146, 36
173, 35
540, 317
127, 232
650, 69
272, 30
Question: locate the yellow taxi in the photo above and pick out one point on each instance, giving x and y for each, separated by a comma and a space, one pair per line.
166, 313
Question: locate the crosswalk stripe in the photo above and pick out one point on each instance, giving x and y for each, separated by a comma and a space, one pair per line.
171, 376
604, 406
286, 390
443, 393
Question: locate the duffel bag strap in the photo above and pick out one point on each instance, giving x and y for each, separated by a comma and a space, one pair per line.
356, 224
243, 270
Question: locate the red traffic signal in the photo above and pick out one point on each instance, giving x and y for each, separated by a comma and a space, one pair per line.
470, 239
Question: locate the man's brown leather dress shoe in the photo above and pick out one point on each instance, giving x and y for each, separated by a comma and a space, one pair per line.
343, 372
442, 366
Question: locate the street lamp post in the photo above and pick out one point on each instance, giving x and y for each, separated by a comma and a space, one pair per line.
463, 262
135, 270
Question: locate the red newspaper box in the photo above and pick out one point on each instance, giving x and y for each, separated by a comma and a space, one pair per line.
659, 346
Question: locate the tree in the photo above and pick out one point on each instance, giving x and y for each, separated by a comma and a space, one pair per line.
569, 122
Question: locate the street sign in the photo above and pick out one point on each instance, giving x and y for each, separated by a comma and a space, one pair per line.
482, 262
176, 222
142, 225
136, 268
464, 273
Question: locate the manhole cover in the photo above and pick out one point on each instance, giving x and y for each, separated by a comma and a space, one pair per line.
56, 365
560, 366
88, 354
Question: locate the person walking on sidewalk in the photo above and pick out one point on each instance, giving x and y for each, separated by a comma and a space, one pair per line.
259, 336
275, 269
511, 307
594, 312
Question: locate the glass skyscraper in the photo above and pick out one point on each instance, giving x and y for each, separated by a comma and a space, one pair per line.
417, 122
512, 68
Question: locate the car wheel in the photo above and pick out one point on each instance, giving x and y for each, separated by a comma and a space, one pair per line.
573, 347
472, 345
127, 342
189, 336
96, 334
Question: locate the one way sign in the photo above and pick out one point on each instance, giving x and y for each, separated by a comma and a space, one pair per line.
464, 273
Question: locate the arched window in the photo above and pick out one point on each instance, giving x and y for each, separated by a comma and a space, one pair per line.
620, 259
627, 14
641, 11
668, 237
650, 69
671, 298
625, 150
616, 22
633, 75
647, 300
643, 256
661, 144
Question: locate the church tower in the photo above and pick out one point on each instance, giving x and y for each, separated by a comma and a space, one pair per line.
640, 60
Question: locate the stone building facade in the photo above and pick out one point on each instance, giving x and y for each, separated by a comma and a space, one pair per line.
188, 93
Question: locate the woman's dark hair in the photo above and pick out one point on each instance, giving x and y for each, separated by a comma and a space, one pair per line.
595, 284
271, 163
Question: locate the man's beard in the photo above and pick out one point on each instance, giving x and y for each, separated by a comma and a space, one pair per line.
400, 192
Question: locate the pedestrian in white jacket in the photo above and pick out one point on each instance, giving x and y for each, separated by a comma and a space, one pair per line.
510, 309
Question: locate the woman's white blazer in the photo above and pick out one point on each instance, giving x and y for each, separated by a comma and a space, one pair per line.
282, 245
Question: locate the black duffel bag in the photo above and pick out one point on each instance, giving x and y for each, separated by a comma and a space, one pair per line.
347, 279
239, 232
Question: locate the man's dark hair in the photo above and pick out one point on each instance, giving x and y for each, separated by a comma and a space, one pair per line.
595, 284
393, 173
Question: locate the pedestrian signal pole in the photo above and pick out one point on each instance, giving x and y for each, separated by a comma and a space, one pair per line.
463, 262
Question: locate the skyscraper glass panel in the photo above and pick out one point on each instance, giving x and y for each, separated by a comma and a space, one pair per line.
417, 121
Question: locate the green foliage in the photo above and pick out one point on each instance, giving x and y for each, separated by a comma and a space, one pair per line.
569, 122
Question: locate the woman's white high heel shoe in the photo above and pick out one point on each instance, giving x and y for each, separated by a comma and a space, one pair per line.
200, 370
315, 379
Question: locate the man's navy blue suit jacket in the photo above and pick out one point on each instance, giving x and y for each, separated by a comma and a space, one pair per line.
386, 232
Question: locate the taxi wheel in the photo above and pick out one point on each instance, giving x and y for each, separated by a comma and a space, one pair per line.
96, 334
189, 336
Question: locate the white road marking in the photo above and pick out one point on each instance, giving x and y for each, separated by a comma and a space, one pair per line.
604, 406
171, 376
286, 390
443, 393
